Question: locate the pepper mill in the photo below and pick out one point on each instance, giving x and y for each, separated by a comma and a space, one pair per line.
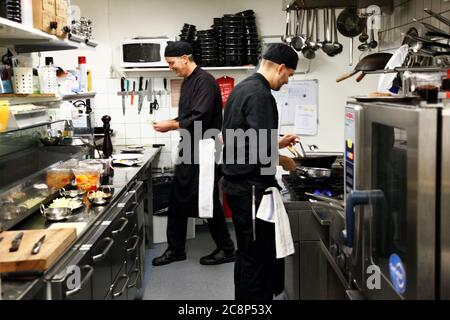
107, 144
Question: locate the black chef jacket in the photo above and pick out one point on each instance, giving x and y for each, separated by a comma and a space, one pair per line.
250, 105
200, 100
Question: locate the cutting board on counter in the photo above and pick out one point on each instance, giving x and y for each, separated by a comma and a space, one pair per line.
56, 242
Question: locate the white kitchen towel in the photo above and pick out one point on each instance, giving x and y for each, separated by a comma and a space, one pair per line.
272, 210
206, 178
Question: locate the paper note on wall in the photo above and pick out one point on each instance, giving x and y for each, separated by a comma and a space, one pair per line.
298, 105
306, 120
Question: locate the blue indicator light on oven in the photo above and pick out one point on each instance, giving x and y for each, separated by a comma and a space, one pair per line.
398, 273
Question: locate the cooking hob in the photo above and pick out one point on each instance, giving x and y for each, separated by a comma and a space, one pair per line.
332, 187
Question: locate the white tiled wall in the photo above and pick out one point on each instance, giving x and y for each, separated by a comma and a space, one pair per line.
397, 24
134, 128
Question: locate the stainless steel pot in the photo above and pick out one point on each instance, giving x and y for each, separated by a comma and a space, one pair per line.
55, 214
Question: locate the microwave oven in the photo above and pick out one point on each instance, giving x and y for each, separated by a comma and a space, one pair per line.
144, 52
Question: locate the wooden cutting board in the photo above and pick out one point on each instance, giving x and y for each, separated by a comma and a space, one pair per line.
56, 242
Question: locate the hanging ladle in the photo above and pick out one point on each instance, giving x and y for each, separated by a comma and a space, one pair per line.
298, 42
336, 45
308, 51
327, 46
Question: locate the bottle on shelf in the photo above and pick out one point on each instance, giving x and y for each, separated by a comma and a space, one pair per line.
83, 74
68, 129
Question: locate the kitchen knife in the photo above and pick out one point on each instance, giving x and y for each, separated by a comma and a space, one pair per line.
15, 244
37, 246
132, 92
141, 96
122, 89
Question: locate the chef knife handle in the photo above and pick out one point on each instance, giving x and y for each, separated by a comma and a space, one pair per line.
141, 82
122, 84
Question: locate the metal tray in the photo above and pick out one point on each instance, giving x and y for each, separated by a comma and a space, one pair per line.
385, 99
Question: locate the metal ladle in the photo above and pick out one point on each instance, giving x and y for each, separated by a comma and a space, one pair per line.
327, 46
308, 51
337, 47
298, 42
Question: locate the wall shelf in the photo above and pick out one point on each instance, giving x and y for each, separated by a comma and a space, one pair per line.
26, 39
15, 99
154, 72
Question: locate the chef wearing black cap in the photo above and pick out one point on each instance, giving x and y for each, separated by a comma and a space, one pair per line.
257, 274
200, 101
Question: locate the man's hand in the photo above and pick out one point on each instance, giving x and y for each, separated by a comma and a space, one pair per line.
287, 163
166, 126
288, 140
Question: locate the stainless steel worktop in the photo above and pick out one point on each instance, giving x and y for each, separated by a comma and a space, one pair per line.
121, 181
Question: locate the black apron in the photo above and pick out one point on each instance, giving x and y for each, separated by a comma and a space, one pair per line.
184, 195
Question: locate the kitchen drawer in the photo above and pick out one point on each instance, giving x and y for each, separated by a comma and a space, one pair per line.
119, 288
135, 274
82, 291
101, 257
119, 234
132, 247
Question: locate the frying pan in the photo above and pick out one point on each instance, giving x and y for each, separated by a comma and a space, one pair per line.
350, 25
315, 161
372, 62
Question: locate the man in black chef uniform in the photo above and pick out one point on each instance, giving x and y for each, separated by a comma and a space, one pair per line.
258, 275
200, 102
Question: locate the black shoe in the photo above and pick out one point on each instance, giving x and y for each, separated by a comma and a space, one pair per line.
217, 257
167, 257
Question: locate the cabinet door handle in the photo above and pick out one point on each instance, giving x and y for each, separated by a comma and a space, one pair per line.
130, 213
134, 284
118, 294
124, 224
133, 248
83, 282
102, 255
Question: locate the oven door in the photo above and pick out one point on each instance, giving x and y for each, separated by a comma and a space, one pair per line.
445, 208
398, 226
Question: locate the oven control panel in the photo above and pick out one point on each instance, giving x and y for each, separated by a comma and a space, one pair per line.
350, 148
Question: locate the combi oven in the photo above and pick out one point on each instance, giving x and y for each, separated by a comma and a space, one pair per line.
397, 193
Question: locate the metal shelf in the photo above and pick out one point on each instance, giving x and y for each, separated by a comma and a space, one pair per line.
164, 71
37, 125
16, 99
26, 39
422, 69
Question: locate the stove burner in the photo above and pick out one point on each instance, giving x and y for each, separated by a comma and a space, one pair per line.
332, 187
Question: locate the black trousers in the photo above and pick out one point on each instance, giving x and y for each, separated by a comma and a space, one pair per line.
177, 229
258, 274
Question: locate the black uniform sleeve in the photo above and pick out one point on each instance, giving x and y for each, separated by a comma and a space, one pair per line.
260, 112
202, 102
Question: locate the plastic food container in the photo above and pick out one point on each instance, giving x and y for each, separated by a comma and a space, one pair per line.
88, 177
59, 177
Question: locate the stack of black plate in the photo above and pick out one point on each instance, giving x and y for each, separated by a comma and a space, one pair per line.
252, 45
218, 34
233, 37
208, 48
188, 33
11, 9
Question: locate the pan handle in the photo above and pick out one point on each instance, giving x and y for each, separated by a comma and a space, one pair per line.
360, 77
346, 76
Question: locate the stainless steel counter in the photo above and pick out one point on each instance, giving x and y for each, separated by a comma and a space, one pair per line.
121, 181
